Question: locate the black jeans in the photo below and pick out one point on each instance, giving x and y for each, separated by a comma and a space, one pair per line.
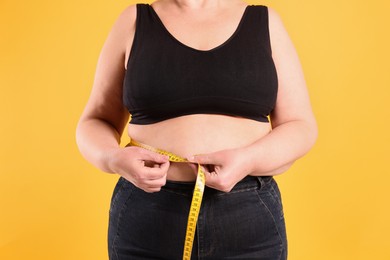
246, 223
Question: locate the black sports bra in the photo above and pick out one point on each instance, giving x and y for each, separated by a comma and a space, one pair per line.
166, 79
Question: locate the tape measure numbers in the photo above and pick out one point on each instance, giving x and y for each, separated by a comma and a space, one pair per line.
196, 197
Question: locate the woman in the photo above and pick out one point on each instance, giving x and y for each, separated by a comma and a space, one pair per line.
200, 79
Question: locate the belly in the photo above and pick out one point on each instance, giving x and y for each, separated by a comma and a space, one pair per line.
198, 134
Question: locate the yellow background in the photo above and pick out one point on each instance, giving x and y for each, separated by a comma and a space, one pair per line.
54, 205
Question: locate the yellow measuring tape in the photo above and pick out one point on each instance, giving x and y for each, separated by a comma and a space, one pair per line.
196, 198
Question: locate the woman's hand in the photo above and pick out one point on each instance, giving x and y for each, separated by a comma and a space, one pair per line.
223, 168
145, 169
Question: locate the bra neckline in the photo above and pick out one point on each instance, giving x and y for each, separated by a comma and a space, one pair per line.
219, 46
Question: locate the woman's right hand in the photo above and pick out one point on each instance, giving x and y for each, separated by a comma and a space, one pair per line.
145, 169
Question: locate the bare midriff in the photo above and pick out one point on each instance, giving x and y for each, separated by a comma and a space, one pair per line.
197, 134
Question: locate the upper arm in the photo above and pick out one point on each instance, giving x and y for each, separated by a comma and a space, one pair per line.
292, 100
105, 101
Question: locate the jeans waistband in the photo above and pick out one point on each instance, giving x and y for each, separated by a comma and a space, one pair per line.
248, 183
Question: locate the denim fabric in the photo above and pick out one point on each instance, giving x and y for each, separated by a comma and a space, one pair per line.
246, 223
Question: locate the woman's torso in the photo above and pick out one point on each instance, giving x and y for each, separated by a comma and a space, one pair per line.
199, 133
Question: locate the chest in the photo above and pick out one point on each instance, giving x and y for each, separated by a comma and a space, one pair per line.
202, 32
166, 76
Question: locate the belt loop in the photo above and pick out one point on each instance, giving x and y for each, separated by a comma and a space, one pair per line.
261, 182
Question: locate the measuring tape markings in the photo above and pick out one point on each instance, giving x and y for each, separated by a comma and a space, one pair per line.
196, 198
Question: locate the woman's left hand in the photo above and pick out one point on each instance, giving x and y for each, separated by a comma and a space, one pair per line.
223, 168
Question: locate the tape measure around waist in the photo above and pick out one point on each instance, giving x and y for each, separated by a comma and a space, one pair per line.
196, 197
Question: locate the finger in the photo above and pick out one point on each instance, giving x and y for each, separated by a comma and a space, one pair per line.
217, 179
146, 183
211, 177
211, 158
165, 166
154, 173
155, 185
152, 190
211, 181
214, 181
152, 156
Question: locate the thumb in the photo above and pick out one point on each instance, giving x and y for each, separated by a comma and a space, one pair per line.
210, 158
153, 156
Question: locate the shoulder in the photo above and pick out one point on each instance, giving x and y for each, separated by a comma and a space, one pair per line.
276, 26
130, 11
275, 21
127, 18
123, 28
278, 34
272, 21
